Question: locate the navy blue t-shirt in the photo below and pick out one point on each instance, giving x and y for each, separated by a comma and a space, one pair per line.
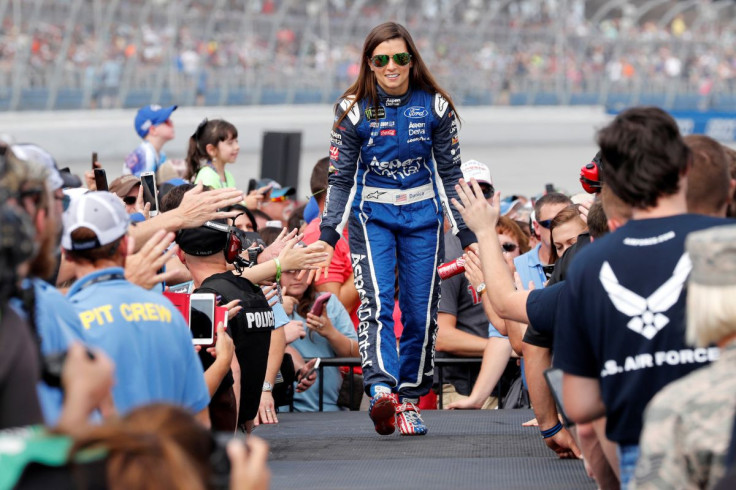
621, 317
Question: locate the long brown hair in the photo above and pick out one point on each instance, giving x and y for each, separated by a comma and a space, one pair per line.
155, 446
365, 85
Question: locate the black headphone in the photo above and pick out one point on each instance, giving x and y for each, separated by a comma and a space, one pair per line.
233, 242
590, 175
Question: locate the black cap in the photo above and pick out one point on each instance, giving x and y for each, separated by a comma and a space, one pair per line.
203, 241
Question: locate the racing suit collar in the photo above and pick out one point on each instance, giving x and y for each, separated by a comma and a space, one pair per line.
392, 100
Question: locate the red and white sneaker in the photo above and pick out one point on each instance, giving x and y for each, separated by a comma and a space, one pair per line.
409, 420
382, 411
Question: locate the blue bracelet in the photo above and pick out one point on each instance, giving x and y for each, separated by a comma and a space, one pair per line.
546, 434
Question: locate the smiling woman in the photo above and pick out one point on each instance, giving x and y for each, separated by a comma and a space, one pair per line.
395, 159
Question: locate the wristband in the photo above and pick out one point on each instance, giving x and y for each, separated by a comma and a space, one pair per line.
546, 434
278, 269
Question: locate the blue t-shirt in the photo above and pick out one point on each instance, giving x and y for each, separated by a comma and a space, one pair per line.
145, 336
621, 317
530, 268
58, 326
318, 346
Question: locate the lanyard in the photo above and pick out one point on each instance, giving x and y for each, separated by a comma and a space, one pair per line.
101, 278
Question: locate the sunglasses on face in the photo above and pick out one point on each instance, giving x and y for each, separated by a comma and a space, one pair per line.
545, 223
509, 247
381, 60
129, 200
488, 191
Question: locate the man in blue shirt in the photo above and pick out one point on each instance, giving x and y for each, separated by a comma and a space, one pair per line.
140, 330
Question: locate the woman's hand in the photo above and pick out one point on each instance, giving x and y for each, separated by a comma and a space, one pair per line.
294, 330
289, 303
295, 258
273, 250
320, 324
271, 293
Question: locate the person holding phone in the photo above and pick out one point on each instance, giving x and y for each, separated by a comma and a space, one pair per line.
395, 158
330, 334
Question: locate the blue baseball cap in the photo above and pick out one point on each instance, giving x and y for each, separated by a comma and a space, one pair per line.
151, 115
277, 192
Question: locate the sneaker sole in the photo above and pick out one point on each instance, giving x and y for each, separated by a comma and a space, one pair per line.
383, 414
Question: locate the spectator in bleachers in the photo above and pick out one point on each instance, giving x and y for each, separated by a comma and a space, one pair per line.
688, 425
140, 330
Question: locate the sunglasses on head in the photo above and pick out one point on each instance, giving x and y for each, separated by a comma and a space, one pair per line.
129, 200
546, 223
381, 60
509, 247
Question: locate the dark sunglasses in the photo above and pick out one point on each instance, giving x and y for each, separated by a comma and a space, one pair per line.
488, 191
381, 60
509, 247
545, 223
129, 200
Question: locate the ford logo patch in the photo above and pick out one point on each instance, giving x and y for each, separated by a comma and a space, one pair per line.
415, 112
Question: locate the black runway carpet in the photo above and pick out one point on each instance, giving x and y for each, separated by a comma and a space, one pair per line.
463, 449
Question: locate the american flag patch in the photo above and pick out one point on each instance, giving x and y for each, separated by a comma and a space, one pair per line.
401, 198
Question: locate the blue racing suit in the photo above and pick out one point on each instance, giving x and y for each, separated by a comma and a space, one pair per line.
386, 184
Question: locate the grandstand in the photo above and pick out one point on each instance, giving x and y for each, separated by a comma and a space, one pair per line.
86, 54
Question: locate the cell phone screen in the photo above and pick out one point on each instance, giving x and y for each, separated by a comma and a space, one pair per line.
148, 182
100, 179
201, 321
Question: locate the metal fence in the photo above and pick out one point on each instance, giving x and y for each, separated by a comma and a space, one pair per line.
70, 54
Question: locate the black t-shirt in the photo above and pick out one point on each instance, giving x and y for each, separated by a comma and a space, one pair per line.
251, 332
621, 317
541, 305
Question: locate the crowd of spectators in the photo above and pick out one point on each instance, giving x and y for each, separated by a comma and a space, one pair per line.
83, 271
207, 47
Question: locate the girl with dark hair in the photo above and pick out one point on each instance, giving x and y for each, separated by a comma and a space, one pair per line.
213, 145
394, 161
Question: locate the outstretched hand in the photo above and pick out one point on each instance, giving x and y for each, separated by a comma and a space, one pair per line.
477, 213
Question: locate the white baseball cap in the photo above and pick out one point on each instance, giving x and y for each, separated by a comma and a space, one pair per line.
102, 212
477, 170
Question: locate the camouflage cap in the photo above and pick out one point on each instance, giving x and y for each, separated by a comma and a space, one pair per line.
713, 254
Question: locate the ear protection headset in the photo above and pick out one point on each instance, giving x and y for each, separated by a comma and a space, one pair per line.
590, 175
234, 240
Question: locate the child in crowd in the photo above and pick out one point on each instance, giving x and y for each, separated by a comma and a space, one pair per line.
153, 124
213, 145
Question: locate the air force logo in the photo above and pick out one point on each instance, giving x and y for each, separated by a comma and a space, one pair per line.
647, 314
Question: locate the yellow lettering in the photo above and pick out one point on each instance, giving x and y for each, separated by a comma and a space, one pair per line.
164, 314
152, 311
125, 311
106, 310
86, 318
138, 312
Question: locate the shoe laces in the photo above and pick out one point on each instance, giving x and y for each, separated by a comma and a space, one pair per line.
410, 413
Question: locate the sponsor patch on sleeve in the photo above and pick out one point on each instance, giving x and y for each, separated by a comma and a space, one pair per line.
334, 153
